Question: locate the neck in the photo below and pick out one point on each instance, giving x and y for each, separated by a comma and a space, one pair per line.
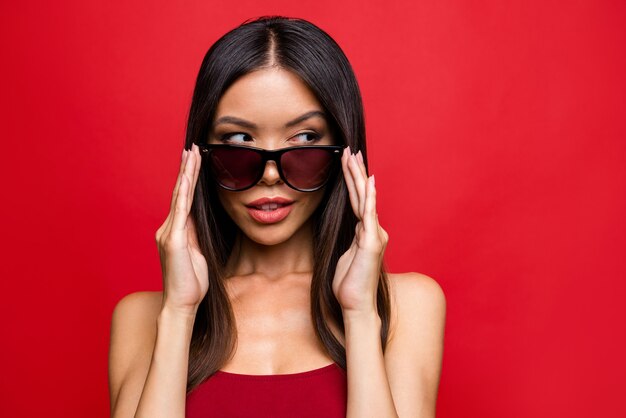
293, 256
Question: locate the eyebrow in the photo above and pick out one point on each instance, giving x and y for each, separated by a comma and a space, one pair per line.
247, 124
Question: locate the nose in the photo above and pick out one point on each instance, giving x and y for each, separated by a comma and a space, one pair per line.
270, 174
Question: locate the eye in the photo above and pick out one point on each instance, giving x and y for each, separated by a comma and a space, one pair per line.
227, 137
313, 137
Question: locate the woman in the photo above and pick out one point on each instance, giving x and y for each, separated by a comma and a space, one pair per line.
272, 254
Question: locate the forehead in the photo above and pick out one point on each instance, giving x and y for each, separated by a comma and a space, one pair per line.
269, 97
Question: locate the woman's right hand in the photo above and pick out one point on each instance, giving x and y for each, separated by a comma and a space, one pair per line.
184, 268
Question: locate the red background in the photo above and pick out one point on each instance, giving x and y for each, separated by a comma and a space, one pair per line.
496, 132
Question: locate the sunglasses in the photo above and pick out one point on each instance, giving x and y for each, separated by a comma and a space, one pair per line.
305, 168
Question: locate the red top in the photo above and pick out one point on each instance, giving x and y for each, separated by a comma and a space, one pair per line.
315, 393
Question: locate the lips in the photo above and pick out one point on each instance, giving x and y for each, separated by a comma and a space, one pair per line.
269, 210
269, 203
269, 206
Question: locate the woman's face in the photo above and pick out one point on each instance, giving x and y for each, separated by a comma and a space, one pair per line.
264, 102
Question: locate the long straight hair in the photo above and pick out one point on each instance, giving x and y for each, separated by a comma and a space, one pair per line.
306, 50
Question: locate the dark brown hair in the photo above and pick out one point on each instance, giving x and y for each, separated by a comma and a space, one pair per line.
306, 50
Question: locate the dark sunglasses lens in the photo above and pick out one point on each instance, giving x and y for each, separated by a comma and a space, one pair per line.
235, 168
307, 168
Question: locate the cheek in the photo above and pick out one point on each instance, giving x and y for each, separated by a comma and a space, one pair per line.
228, 203
312, 201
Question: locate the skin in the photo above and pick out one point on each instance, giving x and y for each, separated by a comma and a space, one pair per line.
269, 282
270, 279
270, 98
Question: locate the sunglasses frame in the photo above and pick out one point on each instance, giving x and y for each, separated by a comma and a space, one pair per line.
273, 155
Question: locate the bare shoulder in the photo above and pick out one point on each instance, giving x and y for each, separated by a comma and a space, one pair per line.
133, 334
414, 353
415, 299
418, 303
144, 303
412, 292
413, 279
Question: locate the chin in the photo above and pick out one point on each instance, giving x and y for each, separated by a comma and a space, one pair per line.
269, 235
264, 239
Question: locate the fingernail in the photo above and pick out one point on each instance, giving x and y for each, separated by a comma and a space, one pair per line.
359, 156
182, 156
373, 181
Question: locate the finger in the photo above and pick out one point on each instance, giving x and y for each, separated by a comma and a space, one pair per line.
188, 174
347, 175
170, 216
358, 157
370, 220
359, 181
198, 165
191, 173
183, 163
181, 210
362, 163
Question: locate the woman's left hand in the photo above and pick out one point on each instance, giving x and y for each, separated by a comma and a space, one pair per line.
356, 277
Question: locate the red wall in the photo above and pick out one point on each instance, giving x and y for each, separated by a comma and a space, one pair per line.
497, 136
